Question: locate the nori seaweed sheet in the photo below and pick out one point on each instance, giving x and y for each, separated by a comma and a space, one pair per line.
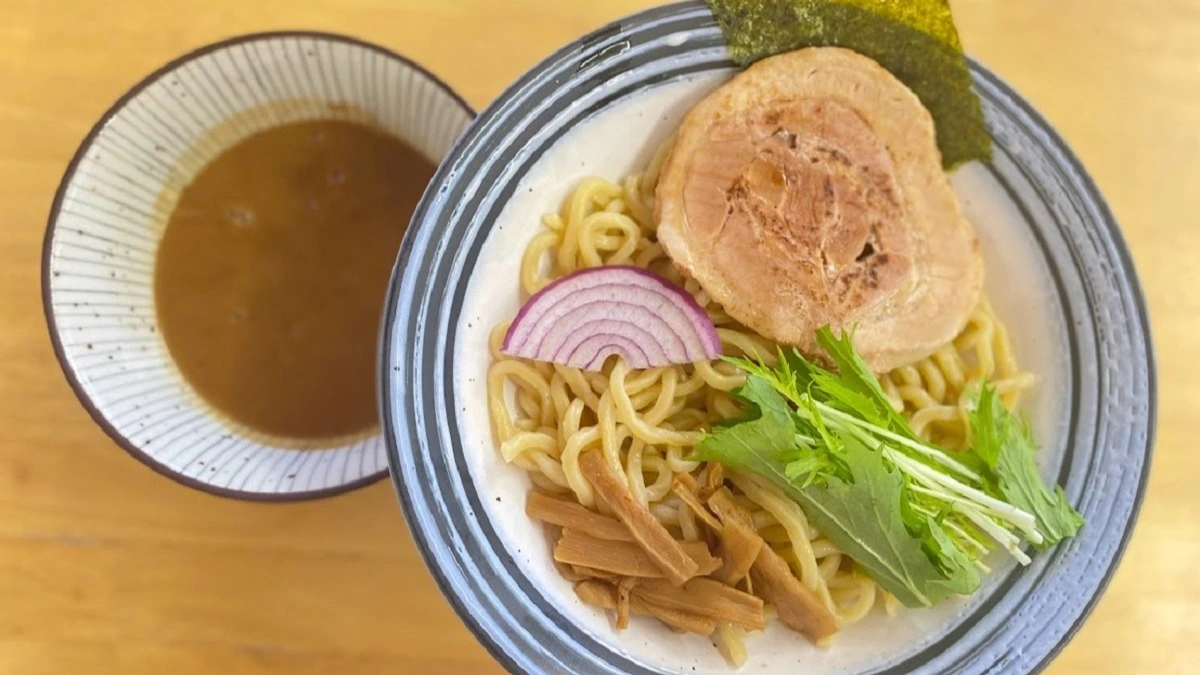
914, 39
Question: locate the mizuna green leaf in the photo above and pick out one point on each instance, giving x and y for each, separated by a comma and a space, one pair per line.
1005, 445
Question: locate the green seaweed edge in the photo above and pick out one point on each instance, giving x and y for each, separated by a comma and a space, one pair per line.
914, 39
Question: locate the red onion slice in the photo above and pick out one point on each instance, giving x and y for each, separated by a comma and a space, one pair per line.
585, 317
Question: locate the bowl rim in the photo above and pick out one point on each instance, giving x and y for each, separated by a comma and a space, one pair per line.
495, 644
1143, 317
52, 225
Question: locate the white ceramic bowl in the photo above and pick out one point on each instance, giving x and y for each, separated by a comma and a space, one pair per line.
112, 207
1058, 273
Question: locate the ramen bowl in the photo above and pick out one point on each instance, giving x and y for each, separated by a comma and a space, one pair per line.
110, 212
1058, 273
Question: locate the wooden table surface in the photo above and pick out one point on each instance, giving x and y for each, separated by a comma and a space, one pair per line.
106, 567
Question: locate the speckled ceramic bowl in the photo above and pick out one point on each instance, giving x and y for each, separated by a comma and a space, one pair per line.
112, 207
1058, 271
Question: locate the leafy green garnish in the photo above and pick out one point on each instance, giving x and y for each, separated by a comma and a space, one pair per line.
914, 39
866, 515
1006, 446
958, 568
859, 512
914, 518
855, 383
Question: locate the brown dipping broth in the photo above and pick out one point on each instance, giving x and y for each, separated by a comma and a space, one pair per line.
272, 271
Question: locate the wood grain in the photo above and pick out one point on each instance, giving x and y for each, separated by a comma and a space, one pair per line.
105, 567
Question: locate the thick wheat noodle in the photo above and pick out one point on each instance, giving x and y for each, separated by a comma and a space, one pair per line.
667, 514
924, 417
748, 344
579, 386
863, 599
935, 392
689, 385
523, 375
666, 397
629, 416
721, 381
528, 441
935, 381
950, 364
560, 396
576, 444
917, 396
642, 399
568, 424
645, 422
661, 486
677, 463
610, 438
593, 239
823, 547
635, 473
531, 282
828, 569
550, 468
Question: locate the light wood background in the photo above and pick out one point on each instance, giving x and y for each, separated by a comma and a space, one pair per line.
106, 567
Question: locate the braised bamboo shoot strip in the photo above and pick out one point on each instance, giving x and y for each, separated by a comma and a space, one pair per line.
623, 558
575, 516
603, 594
654, 539
708, 598
797, 607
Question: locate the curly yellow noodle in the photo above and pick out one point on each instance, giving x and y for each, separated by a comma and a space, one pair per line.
526, 441
935, 381
677, 463
560, 396
579, 386
762, 519
532, 280
854, 596
643, 400
828, 568
637, 204
661, 486
635, 473
569, 422
593, 239
690, 385
715, 378
934, 392
527, 379
666, 514
823, 548
664, 399
640, 427
949, 362
645, 422
496, 340
611, 435
576, 444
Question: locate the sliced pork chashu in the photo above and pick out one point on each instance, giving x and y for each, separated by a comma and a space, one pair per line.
809, 190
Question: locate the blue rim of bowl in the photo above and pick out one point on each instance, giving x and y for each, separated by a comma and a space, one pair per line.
51, 227
401, 314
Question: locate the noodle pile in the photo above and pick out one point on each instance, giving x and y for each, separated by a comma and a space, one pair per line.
645, 422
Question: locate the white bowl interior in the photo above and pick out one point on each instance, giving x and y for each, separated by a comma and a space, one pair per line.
115, 206
617, 141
